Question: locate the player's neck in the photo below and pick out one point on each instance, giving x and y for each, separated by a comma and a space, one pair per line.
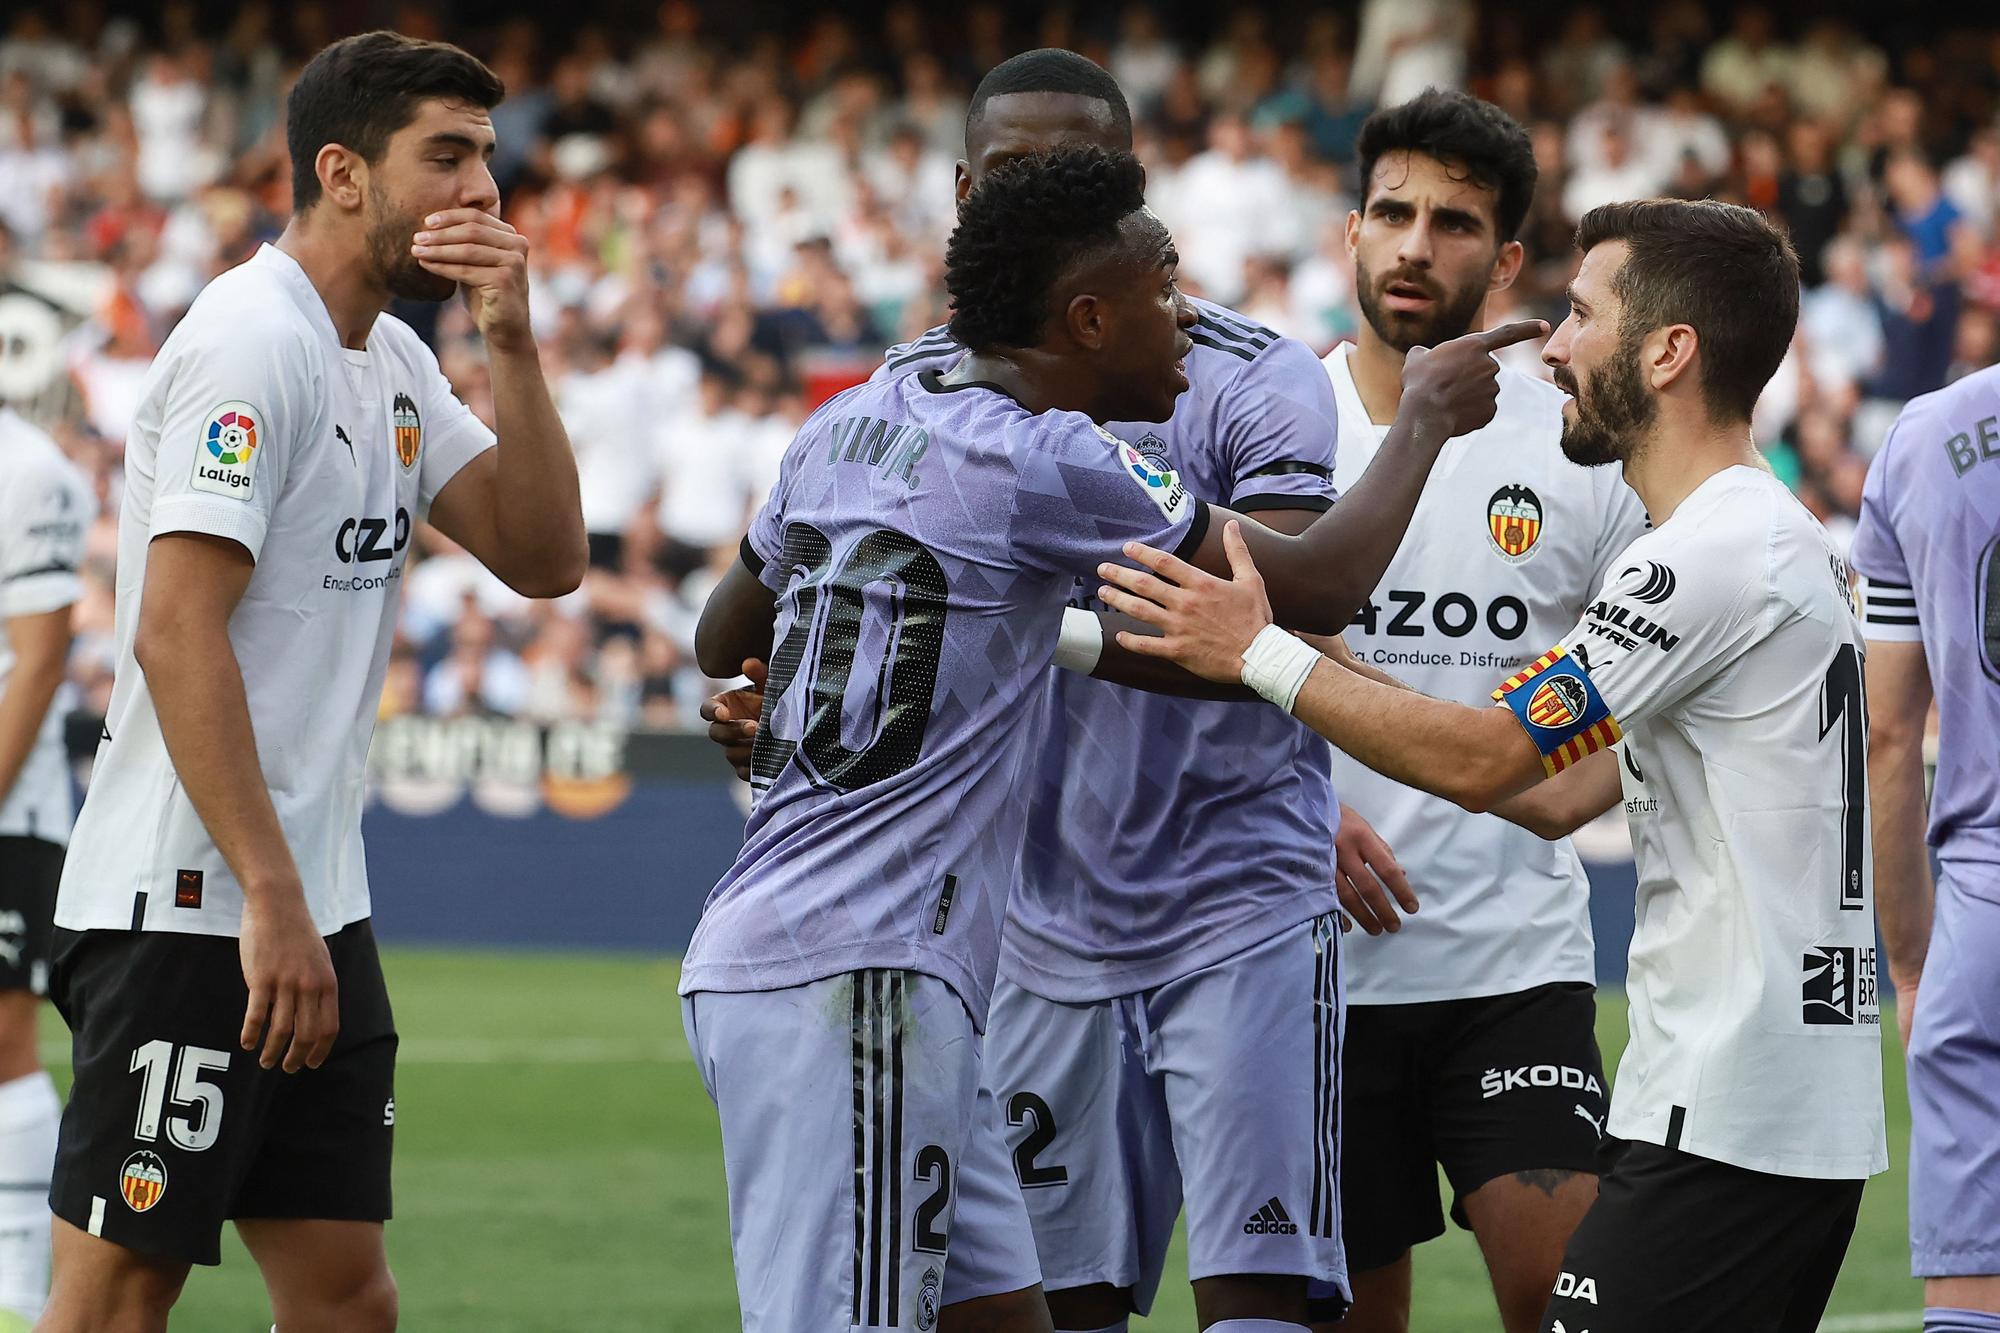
1036, 380
1378, 375
342, 278
1681, 456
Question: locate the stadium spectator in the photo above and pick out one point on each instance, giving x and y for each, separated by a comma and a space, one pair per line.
760, 213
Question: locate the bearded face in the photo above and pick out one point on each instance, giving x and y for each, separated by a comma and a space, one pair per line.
1613, 409
1409, 307
390, 231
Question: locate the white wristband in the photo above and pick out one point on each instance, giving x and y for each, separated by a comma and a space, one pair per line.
1276, 665
1080, 642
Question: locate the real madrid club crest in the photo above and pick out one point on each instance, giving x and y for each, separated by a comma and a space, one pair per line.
928, 1296
142, 1180
1514, 522
409, 430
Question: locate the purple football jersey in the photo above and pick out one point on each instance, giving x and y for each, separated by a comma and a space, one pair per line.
922, 539
1929, 545
1166, 834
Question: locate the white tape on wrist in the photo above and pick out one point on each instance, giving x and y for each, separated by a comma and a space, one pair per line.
1276, 665
1081, 641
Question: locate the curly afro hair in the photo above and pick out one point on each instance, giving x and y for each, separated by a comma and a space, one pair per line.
1029, 222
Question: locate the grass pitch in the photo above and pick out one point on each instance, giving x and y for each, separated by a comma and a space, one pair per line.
559, 1169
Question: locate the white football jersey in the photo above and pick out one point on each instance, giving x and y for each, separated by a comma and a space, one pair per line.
1725, 647
258, 426
1508, 544
46, 507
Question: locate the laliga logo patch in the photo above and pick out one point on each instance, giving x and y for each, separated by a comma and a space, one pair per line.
409, 430
1148, 472
142, 1180
1558, 703
1514, 522
225, 463
1162, 483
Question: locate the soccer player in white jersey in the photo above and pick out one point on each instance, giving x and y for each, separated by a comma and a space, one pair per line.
1471, 1038
234, 1049
46, 507
1929, 545
1725, 651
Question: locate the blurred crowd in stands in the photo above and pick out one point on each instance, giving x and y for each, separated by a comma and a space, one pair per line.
730, 221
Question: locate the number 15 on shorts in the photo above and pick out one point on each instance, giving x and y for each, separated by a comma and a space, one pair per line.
196, 1101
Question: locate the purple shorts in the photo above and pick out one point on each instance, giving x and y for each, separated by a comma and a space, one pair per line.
1954, 1069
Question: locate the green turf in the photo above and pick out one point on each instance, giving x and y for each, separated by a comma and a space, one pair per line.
558, 1168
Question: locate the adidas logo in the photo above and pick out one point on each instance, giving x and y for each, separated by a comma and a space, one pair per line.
1270, 1220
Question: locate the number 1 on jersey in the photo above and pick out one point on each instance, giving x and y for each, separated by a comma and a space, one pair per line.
1842, 704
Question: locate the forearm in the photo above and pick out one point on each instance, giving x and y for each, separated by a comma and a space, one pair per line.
1319, 579
1421, 742
1903, 888
197, 691
1155, 675
1335, 647
538, 509
24, 702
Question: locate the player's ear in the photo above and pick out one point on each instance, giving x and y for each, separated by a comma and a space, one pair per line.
343, 176
1506, 266
962, 186
1668, 355
1085, 318
1353, 232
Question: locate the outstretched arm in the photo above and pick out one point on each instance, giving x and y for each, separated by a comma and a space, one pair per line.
1475, 757
1319, 579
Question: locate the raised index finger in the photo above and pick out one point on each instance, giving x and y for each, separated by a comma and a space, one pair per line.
1508, 334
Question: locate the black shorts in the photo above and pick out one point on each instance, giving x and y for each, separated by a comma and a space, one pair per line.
1682, 1244
30, 869
1484, 1087
172, 1128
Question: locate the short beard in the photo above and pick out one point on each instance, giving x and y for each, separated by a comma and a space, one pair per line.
1450, 318
1613, 414
390, 235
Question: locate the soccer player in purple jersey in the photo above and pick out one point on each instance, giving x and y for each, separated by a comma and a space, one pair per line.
916, 554
1929, 547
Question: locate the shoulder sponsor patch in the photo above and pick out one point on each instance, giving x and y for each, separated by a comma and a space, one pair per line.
225, 457
1564, 714
1160, 482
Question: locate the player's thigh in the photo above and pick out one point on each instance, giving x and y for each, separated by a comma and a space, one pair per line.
1680, 1244
1389, 1187
1249, 1052
1955, 1093
1381, 1301
329, 1134
1516, 1090
1088, 1140
1523, 1221
992, 1269
97, 1284
845, 1107
323, 1275
166, 1115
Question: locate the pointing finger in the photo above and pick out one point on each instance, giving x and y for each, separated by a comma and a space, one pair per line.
1508, 334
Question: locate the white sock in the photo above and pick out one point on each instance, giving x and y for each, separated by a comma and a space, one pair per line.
1257, 1326
30, 1112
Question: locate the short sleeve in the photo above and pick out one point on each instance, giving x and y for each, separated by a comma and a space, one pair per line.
235, 408
1082, 493
45, 515
1656, 631
451, 435
1877, 552
1280, 426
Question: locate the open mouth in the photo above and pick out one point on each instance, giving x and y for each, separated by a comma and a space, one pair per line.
1408, 296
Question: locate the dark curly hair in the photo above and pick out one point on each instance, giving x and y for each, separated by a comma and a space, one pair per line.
1726, 271
1458, 129
1029, 222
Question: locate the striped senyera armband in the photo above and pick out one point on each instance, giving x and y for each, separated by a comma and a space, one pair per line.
1564, 714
